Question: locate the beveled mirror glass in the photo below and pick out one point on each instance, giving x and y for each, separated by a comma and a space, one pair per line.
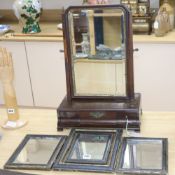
36, 152
90, 148
98, 52
98, 49
144, 155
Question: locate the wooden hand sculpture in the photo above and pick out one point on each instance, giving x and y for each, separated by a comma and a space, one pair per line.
7, 77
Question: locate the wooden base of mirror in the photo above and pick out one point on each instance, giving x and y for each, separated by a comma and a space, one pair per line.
100, 114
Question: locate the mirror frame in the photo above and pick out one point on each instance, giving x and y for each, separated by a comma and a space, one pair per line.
129, 54
162, 171
11, 165
106, 165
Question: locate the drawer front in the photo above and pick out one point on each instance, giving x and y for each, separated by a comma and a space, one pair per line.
100, 115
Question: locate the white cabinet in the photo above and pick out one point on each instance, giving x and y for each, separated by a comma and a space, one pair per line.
154, 67
47, 71
39, 73
22, 79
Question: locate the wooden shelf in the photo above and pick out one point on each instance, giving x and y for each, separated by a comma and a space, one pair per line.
51, 33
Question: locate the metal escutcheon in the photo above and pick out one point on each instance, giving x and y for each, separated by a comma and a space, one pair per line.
97, 115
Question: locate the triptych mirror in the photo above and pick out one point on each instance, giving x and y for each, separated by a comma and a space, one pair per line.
92, 150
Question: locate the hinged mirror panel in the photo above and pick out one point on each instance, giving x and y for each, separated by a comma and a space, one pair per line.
36, 152
88, 150
144, 156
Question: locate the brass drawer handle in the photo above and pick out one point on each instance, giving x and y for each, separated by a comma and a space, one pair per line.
97, 115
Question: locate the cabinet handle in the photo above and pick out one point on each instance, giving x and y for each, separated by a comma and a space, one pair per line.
61, 50
135, 50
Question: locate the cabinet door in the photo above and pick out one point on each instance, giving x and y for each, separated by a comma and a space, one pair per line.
154, 76
47, 70
22, 79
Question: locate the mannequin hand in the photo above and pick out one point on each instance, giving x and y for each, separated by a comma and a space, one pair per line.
6, 67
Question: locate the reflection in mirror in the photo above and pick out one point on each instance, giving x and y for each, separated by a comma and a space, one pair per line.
98, 45
143, 154
89, 146
36, 152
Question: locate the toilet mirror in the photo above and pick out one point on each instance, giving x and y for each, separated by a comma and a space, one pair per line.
99, 52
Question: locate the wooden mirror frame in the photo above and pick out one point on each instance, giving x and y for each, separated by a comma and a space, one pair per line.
162, 171
10, 164
129, 55
106, 165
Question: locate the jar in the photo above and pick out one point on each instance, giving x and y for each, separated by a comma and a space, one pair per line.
170, 11
28, 13
162, 23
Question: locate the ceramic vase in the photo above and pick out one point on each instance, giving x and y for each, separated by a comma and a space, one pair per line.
170, 11
28, 12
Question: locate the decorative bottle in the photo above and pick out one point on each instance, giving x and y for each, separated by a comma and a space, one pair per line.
170, 11
28, 13
85, 45
162, 23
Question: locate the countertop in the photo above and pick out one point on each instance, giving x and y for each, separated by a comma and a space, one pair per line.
49, 32
44, 121
169, 38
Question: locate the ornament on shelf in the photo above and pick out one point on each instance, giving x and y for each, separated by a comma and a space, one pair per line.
28, 13
162, 23
170, 12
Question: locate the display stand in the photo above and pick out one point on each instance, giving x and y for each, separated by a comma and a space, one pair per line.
7, 77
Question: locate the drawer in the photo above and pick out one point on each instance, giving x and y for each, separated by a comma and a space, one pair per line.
100, 115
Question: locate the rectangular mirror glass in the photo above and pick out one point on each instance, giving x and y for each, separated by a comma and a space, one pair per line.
98, 51
36, 152
144, 155
90, 148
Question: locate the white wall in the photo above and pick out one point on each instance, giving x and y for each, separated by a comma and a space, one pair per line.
47, 4
54, 4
